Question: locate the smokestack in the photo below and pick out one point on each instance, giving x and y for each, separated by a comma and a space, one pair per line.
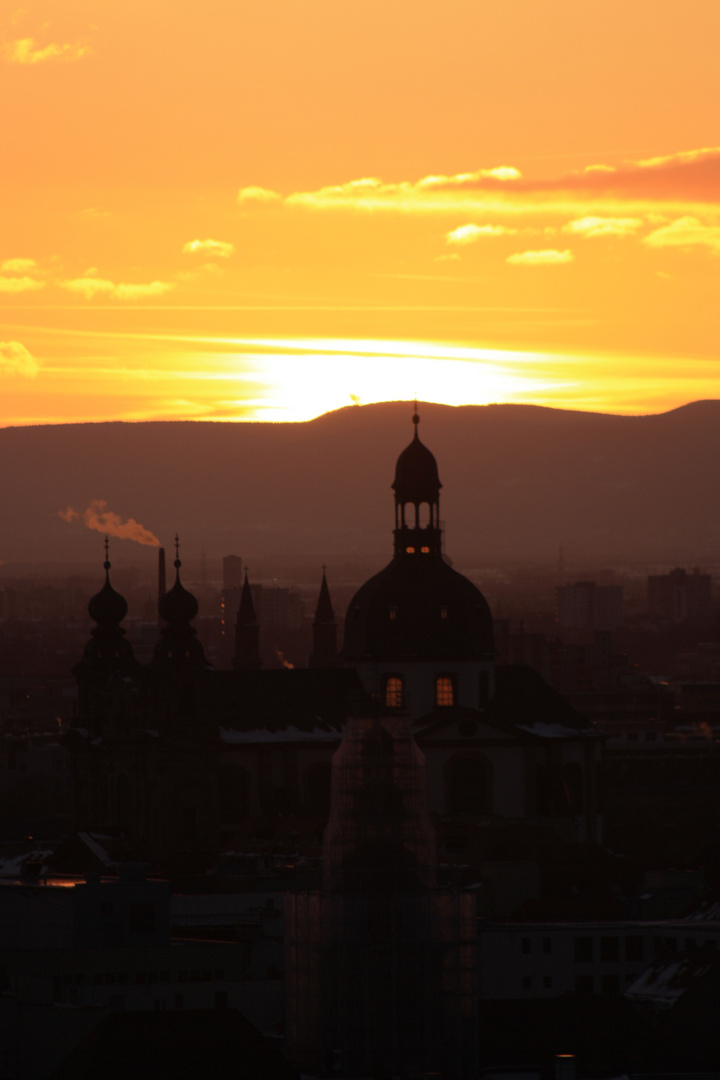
162, 587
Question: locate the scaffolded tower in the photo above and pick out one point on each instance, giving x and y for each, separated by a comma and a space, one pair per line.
380, 963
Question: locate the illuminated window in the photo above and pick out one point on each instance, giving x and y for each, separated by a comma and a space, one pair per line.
444, 690
425, 550
393, 613
393, 692
443, 613
410, 550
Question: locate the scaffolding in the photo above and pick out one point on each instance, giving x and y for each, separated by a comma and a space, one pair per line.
380, 965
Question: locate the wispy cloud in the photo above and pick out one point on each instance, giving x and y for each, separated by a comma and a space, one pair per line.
685, 178
20, 266
27, 51
15, 359
98, 516
221, 249
20, 284
685, 232
603, 226
684, 157
549, 257
90, 287
370, 191
258, 196
468, 234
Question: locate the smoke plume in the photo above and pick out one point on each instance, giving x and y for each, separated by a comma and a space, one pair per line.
99, 517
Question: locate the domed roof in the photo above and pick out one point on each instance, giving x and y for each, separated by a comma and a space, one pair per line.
416, 473
418, 609
178, 645
107, 607
178, 605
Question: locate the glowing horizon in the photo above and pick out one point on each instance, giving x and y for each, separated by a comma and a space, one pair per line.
265, 379
279, 237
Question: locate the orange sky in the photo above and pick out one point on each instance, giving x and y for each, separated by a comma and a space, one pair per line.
271, 209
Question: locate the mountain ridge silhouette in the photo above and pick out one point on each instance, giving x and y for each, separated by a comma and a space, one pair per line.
518, 480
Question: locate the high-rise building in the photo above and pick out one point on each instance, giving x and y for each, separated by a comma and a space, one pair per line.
681, 597
587, 606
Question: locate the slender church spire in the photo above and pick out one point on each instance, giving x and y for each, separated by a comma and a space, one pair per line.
324, 652
247, 632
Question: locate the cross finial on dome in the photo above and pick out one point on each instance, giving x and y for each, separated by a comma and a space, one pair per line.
106, 564
177, 564
416, 418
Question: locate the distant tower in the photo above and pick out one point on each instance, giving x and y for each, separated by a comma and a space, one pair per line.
247, 632
232, 572
324, 652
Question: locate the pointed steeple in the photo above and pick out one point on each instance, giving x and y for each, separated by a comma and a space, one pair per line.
324, 610
324, 652
247, 632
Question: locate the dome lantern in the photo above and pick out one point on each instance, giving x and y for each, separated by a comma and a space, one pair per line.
417, 500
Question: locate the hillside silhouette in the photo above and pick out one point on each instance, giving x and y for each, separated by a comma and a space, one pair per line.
518, 480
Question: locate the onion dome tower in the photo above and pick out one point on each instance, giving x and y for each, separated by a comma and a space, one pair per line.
247, 632
419, 633
324, 652
178, 646
417, 484
107, 654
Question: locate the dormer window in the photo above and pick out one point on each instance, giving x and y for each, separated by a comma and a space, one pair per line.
444, 691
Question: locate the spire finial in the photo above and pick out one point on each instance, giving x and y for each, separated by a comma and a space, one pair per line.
177, 564
416, 418
106, 564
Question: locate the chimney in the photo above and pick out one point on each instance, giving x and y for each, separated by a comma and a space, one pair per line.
162, 588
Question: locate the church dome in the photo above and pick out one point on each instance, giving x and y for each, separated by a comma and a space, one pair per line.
178, 605
178, 644
107, 607
416, 473
418, 609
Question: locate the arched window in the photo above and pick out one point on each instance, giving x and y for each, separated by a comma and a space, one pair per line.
444, 691
394, 692
468, 786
